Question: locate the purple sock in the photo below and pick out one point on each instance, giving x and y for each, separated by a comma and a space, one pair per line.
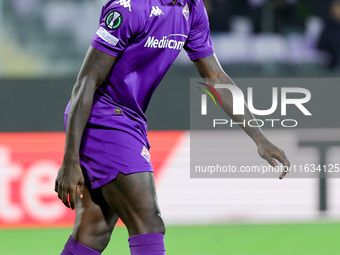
147, 244
72, 247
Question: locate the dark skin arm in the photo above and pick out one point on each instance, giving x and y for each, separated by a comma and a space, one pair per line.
93, 72
210, 69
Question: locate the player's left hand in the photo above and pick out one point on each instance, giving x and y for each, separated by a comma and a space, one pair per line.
69, 181
270, 152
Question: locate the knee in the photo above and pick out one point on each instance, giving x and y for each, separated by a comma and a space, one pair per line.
91, 229
145, 223
155, 224
95, 242
161, 225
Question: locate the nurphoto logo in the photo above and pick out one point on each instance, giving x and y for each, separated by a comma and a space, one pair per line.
239, 103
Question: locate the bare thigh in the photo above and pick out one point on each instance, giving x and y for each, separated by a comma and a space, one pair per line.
95, 220
133, 197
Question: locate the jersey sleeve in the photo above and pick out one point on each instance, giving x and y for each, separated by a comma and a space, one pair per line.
199, 44
117, 27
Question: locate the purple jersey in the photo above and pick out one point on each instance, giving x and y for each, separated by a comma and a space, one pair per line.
145, 37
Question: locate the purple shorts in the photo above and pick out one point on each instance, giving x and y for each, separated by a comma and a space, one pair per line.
104, 152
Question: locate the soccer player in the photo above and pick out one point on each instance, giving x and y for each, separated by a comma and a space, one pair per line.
106, 171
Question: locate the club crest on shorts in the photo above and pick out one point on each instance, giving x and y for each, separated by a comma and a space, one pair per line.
186, 11
114, 20
145, 154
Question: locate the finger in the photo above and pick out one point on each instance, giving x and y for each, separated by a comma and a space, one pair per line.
285, 170
270, 160
81, 190
283, 174
283, 159
60, 192
72, 198
65, 197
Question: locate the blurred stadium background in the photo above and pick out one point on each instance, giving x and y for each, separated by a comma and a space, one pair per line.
42, 45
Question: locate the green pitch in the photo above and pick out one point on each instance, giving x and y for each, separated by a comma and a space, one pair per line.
293, 239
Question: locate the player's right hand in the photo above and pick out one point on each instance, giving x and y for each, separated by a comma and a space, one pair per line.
69, 180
